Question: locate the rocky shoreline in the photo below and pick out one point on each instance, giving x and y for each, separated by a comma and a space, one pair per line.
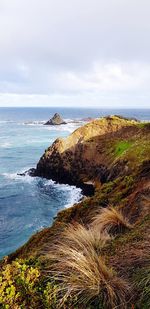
69, 160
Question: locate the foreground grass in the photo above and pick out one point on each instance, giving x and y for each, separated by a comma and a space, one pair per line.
77, 271
77, 275
80, 270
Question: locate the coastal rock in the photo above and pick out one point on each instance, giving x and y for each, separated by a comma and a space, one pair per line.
31, 172
86, 154
55, 120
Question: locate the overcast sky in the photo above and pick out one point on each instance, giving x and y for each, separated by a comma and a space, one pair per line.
75, 53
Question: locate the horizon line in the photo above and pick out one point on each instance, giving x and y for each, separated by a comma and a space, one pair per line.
75, 107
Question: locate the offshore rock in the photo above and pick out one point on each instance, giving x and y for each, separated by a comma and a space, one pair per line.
55, 120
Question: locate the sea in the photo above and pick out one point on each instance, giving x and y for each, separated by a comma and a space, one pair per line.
28, 204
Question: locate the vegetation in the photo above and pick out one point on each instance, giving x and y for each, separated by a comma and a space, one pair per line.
144, 286
81, 272
111, 221
87, 238
18, 285
121, 147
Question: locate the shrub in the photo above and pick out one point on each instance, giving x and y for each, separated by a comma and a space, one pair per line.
18, 285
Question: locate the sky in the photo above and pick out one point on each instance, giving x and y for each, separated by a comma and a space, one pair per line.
80, 53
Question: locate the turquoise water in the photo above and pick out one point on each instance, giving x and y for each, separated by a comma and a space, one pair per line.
29, 204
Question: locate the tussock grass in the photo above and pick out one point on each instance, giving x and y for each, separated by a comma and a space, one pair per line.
81, 273
111, 221
144, 285
85, 238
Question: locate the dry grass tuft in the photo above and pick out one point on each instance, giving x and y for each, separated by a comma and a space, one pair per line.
111, 221
85, 238
81, 274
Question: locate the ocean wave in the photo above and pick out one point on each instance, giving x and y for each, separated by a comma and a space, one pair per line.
75, 197
29, 123
75, 194
33, 123
38, 141
7, 121
15, 176
69, 127
5, 145
36, 122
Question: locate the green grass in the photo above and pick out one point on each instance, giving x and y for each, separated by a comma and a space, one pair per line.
121, 147
143, 125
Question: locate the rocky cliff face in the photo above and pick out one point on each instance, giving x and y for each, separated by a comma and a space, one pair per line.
92, 153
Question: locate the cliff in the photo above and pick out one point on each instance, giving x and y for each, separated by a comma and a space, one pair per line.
97, 152
96, 254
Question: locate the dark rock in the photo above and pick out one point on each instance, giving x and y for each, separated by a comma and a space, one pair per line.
145, 169
31, 172
101, 173
88, 188
55, 120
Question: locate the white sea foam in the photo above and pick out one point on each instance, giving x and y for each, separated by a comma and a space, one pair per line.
38, 141
74, 193
9, 175
33, 123
75, 196
69, 127
5, 145
17, 177
7, 121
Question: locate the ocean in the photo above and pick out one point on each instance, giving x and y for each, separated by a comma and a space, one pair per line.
29, 204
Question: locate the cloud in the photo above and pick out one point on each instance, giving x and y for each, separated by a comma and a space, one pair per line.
113, 76
74, 48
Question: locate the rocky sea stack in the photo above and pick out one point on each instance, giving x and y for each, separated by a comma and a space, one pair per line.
96, 254
55, 120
